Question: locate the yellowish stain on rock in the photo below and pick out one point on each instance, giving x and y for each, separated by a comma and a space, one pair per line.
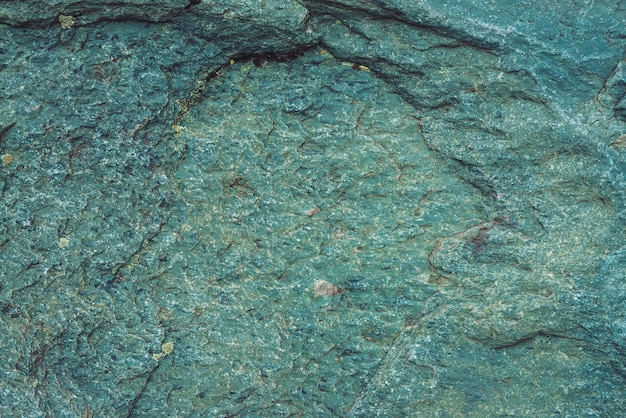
7, 159
66, 21
166, 348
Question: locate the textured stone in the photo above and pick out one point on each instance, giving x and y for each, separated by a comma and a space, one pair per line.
178, 176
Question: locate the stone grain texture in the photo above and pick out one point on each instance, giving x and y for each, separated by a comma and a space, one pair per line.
177, 176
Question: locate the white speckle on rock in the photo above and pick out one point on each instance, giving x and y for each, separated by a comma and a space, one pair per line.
325, 289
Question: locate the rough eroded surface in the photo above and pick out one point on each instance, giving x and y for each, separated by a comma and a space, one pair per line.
381, 208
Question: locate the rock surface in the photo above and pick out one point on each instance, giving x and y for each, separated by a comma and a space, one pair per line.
178, 177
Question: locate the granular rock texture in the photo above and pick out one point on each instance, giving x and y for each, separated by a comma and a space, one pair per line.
275, 208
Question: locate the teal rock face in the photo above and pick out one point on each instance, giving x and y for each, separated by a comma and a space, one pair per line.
340, 208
